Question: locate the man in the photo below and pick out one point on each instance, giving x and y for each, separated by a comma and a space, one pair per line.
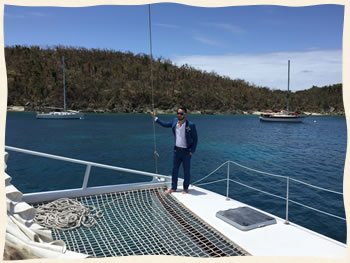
185, 145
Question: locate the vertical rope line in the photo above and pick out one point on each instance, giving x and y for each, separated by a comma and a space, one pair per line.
64, 85
156, 155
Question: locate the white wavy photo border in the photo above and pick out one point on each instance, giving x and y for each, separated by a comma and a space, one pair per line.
203, 3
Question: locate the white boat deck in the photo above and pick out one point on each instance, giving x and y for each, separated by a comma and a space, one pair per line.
274, 240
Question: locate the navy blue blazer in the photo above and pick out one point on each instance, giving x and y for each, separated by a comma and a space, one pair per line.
191, 132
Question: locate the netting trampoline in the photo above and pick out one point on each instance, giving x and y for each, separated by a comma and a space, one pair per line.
145, 222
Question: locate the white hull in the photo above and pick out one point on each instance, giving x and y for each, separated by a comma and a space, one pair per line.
60, 115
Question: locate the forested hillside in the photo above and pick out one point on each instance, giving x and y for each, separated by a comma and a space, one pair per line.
113, 81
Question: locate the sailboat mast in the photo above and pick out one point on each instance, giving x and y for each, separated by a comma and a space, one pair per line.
288, 87
64, 84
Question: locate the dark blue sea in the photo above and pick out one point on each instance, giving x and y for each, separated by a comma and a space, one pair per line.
313, 152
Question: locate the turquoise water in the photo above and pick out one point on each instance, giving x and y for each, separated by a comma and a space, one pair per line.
313, 151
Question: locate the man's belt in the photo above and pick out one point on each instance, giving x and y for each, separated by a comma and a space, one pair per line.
180, 148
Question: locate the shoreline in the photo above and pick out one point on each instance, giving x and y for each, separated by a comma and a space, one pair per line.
171, 111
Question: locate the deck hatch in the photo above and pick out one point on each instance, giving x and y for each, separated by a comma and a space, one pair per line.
145, 222
245, 218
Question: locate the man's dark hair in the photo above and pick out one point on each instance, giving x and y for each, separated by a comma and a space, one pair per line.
183, 108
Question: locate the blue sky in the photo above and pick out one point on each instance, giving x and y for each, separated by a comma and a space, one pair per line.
252, 43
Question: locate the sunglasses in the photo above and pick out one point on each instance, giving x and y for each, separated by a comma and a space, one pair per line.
180, 113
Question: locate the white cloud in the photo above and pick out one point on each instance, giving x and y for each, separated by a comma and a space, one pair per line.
229, 27
13, 16
37, 14
308, 68
207, 41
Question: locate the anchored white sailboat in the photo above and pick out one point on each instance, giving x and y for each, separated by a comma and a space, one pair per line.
283, 116
65, 114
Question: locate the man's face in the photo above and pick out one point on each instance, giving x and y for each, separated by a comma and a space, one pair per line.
181, 114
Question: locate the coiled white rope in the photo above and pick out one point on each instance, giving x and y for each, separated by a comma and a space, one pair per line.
66, 214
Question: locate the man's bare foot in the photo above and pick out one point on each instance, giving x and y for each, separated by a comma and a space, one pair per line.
169, 191
185, 191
